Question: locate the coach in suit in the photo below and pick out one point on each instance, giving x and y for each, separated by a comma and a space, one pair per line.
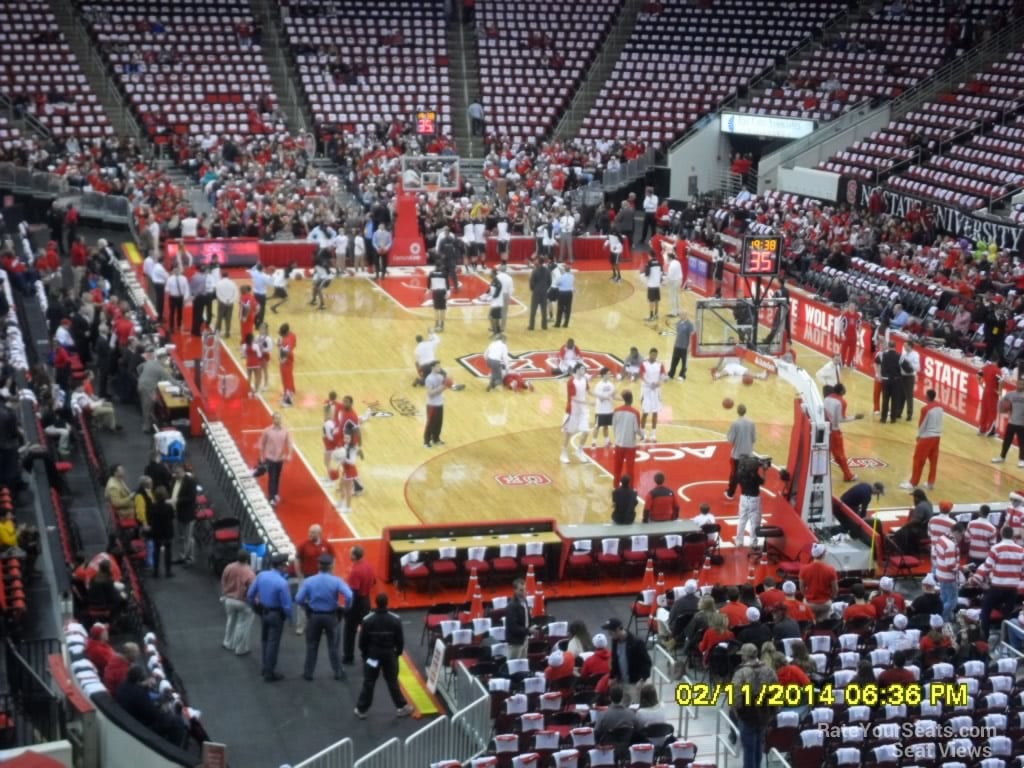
540, 284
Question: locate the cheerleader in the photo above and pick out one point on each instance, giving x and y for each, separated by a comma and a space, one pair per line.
347, 455
253, 353
266, 345
332, 437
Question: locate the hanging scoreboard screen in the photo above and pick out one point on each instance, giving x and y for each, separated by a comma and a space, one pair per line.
761, 256
426, 123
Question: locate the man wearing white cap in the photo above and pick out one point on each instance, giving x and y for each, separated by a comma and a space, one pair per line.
797, 609
928, 602
819, 582
600, 661
886, 601
683, 609
755, 631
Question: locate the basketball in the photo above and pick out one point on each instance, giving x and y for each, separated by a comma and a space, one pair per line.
334, 473
728, 403
748, 379
1005, 406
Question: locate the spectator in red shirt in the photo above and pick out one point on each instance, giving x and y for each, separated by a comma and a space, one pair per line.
717, 632
361, 581
771, 595
860, 608
735, 612
819, 582
307, 563
887, 602
600, 661
561, 664
98, 649
935, 643
896, 674
118, 666
797, 609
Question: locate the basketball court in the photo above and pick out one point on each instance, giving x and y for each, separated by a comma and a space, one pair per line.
500, 459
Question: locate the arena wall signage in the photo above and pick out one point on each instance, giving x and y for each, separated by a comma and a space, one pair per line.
947, 219
765, 125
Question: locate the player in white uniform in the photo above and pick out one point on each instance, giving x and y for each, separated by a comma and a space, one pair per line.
604, 405
652, 373
568, 358
577, 413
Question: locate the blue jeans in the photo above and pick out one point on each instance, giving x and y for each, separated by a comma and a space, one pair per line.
752, 739
270, 638
948, 594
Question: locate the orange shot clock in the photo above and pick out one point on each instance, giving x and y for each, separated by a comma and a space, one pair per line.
761, 256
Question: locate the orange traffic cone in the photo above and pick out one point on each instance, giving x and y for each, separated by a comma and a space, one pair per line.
660, 585
473, 586
750, 570
649, 582
538, 601
704, 577
531, 581
476, 607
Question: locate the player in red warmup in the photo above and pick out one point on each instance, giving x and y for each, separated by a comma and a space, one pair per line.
989, 377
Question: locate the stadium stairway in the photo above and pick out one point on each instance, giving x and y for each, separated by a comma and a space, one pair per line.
464, 52
283, 74
74, 30
599, 72
858, 9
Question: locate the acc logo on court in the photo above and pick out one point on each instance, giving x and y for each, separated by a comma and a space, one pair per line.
865, 462
521, 479
534, 366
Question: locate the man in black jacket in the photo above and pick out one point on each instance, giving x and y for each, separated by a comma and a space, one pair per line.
631, 664
184, 493
381, 642
517, 621
754, 631
540, 283
892, 383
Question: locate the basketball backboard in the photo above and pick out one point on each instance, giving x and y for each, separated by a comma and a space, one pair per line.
430, 173
721, 325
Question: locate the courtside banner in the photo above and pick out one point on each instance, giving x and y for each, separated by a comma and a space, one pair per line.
955, 380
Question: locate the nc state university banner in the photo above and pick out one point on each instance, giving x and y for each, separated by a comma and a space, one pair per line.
963, 223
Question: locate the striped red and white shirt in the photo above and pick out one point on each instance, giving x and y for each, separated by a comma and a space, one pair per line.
980, 535
1015, 517
939, 526
945, 559
1003, 565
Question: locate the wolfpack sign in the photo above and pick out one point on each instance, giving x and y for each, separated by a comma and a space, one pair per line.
963, 223
534, 366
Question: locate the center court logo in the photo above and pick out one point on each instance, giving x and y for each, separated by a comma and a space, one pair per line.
535, 366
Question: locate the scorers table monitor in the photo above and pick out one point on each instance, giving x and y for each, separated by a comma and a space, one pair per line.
761, 256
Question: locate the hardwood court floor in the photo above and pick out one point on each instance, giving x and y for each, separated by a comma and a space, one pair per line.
501, 457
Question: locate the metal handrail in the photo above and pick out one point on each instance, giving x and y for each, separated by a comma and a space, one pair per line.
339, 755
956, 69
723, 749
